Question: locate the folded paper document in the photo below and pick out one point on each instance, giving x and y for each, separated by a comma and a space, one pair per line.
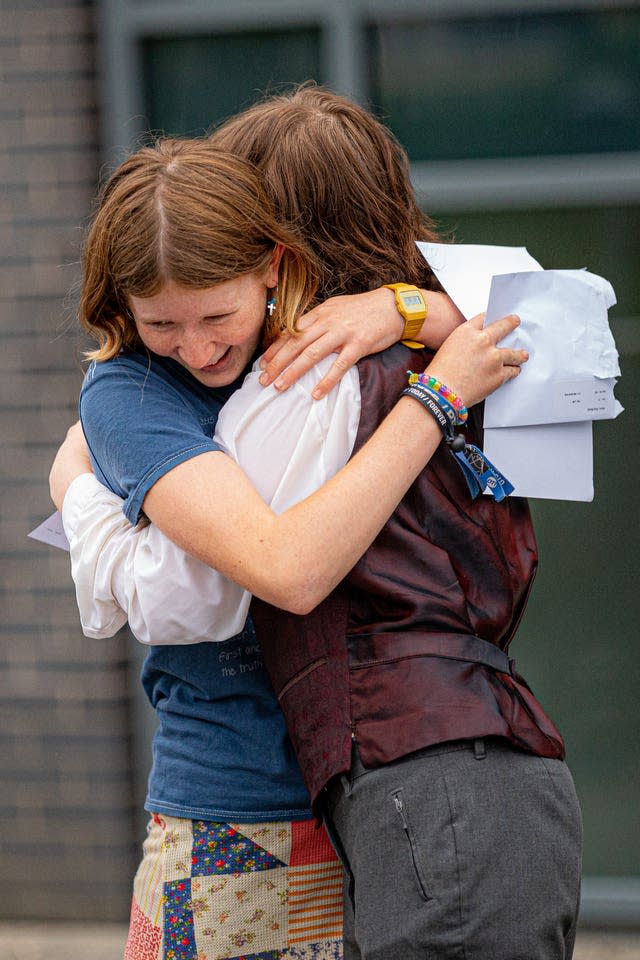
573, 361
538, 427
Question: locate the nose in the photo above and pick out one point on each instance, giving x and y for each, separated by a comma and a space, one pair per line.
195, 350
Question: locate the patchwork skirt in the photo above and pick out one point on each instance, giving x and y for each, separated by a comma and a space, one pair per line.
228, 891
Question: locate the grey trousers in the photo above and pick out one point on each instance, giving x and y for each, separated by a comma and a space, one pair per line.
468, 850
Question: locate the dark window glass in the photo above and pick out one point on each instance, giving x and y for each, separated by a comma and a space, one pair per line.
510, 85
192, 82
605, 240
578, 642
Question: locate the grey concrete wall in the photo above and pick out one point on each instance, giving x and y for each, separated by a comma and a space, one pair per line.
67, 834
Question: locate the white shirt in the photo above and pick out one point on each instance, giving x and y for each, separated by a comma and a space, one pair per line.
288, 444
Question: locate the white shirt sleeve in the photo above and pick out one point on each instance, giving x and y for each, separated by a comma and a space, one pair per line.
135, 573
288, 444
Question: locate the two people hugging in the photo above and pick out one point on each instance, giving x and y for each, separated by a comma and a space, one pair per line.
323, 522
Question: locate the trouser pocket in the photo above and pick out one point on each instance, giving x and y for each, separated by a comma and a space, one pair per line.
410, 841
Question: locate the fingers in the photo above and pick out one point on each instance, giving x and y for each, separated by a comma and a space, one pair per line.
512, 361
271, 352
277, 358
338, 368
287, 360
291, 364
477, 321
280, 364
517, 357
510, 373
292, 356
343, 362
313, 326
471, 361
500, 328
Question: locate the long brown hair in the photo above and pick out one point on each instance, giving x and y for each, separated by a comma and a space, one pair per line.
182, 210
340, 179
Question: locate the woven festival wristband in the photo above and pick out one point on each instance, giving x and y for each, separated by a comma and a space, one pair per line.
478, 471
429, 401
445, 406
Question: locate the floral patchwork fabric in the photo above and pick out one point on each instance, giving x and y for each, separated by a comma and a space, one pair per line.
227, 891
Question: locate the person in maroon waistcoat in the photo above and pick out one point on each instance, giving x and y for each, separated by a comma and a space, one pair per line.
440, 777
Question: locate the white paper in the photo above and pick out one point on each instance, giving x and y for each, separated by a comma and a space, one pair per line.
550, 461
573, 361
52, 532
466, 270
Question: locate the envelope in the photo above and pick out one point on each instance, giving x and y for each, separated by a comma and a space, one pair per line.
550, 461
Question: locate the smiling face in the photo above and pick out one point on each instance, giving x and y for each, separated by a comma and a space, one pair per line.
213, 333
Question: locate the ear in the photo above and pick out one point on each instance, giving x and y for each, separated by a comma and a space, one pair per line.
274, 265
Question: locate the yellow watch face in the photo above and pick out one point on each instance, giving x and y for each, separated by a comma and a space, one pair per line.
412, 302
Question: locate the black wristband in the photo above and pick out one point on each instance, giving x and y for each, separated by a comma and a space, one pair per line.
425, 398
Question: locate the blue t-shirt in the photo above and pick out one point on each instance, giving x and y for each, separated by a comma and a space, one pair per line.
221, 751
142, 415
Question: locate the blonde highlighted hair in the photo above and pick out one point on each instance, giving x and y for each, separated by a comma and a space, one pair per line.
188, 212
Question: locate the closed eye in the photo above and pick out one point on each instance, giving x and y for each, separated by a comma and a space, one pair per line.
218, 319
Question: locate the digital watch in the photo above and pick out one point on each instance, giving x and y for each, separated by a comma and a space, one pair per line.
412, 308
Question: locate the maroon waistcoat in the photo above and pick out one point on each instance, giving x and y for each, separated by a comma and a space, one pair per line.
409, 650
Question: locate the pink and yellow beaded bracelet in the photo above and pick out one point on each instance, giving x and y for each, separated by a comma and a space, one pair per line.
444, 391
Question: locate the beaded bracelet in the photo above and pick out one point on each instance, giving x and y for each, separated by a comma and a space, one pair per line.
441, 388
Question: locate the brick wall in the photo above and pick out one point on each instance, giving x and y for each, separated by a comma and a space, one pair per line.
67, 830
